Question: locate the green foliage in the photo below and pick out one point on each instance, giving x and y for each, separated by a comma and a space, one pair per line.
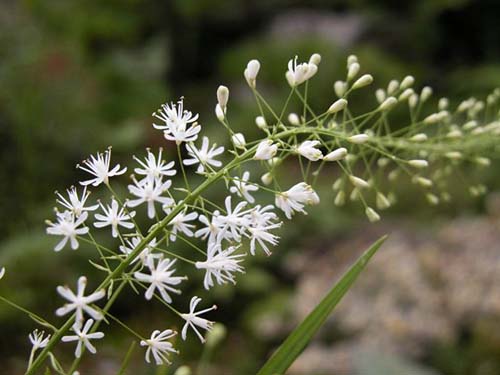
295, 343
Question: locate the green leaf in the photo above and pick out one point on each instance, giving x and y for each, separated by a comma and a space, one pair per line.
296, 342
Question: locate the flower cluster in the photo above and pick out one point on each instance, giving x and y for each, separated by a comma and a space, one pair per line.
171, 212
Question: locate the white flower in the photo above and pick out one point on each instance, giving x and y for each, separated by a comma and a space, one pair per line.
300, 73
2, 273
203, 156
67, 226
295, 198
176, 121
159, 346
150, 192
83, 337
211, 228
179, 224
220, 264
265, 150
161, 278
133, 243
74, 203
38, 340
193, 320
262, 220
79, 302
234, 222
242, 188
114, 216
153, 167
308, 150
251, 72
99, 166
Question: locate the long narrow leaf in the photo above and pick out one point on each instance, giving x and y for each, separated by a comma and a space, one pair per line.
296, 342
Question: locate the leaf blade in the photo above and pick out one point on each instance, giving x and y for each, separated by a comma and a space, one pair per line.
297, 341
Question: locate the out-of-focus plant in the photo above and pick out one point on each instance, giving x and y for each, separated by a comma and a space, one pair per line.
148, 248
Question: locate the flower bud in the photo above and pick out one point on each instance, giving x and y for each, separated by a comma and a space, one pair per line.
337, 185
294, 119
413, 100
392, 87
355, 194
222, 96
436, 117
405, 95
260, 121
466, 105
216, 335
339, 198
336, 155
382, 201
359, 138
393, 174
315, 59
372, 215
388, 103
274, 162
407, 82
353, 71
340, 88
426, 93
482, 161
183, 370
351, 59
443, 104
432, 199
420, 137
453, 155
455, 133
383, 162
251, 72
418, 163
362, 81
380, 95
422, 181
238, 140
267, 178
470, 125
2, 273
359, 182
337, 106
219, 113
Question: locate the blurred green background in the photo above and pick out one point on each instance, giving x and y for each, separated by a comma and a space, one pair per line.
78, 76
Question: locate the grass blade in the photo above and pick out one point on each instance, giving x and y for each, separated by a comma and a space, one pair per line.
296, 342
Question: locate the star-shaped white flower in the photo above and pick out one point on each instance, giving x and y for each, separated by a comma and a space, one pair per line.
211, 228
204, 156
68, 227
193, 319
79, 302
114, 216
38, 340
242, 187
159, 346
161, 278
132, 243
220, 264
180, 224
83, 337
74, 203
150, 191
179, 125
154, 167
294, 199
234, 222
266, 149
99, 167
